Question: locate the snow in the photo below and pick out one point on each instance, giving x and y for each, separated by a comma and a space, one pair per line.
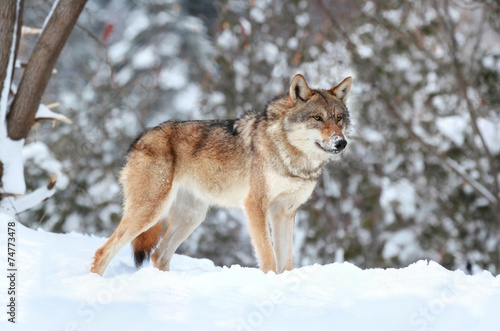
137, 24
174, 76
47, 19
364, 51
145, 58
101, 191
56, 292
393, 16
453, 127
491, 134
124, 76
41, 156
227, 40
302, 19
372, 136
402, 244
369, 7
188, 99
401, 63
13, 181
246, 26
269, 52
257, 15
117, 51
13, 170
488, 62
25, 202
402, 194
292, 43
217, 98
46, 113
170, 45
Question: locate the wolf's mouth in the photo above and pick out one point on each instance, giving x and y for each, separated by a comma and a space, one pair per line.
330, 151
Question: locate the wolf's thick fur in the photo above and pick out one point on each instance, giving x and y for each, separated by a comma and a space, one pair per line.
267, 163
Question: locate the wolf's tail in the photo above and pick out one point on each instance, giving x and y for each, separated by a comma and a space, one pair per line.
143, 244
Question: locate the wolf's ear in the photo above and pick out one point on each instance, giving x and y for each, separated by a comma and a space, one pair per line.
342, 90
299, 89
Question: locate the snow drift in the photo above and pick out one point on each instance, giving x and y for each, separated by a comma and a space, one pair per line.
56, 292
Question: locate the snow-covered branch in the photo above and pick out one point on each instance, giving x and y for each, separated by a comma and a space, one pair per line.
45, 113
16, 205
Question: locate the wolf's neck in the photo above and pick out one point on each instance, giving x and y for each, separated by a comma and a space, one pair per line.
296, 163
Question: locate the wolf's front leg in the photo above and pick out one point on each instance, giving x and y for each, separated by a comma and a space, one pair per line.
259, 232
282, 223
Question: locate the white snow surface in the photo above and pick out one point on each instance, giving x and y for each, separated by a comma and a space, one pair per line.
56, 292
13, 166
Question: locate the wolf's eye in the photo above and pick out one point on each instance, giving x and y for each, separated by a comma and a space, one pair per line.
339, 118
317, 118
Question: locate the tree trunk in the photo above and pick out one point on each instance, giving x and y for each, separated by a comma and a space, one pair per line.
38, 71
7, 22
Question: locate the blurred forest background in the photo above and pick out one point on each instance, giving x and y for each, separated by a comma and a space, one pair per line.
419, 179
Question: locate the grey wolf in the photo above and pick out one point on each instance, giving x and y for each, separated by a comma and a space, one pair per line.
268, 163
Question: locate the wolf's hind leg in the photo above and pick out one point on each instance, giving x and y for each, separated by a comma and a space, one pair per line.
185, 215
127, 230
146, 197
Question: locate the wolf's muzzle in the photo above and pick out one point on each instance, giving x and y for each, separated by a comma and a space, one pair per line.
334, 147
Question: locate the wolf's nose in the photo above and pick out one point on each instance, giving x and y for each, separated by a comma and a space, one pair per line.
340, 145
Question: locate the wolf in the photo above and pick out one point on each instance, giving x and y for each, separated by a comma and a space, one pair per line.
268, 163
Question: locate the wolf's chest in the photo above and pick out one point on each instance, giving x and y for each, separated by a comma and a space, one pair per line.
296, 189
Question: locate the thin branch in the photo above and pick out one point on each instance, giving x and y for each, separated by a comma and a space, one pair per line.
103, 45
29, 30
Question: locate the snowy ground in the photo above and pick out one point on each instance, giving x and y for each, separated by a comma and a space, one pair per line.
55, 292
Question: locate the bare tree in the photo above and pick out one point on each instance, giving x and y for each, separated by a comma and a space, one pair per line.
19, 106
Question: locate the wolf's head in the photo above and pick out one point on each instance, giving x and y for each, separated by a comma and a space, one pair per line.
316, 120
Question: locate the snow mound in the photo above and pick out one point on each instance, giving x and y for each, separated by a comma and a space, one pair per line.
55, 292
